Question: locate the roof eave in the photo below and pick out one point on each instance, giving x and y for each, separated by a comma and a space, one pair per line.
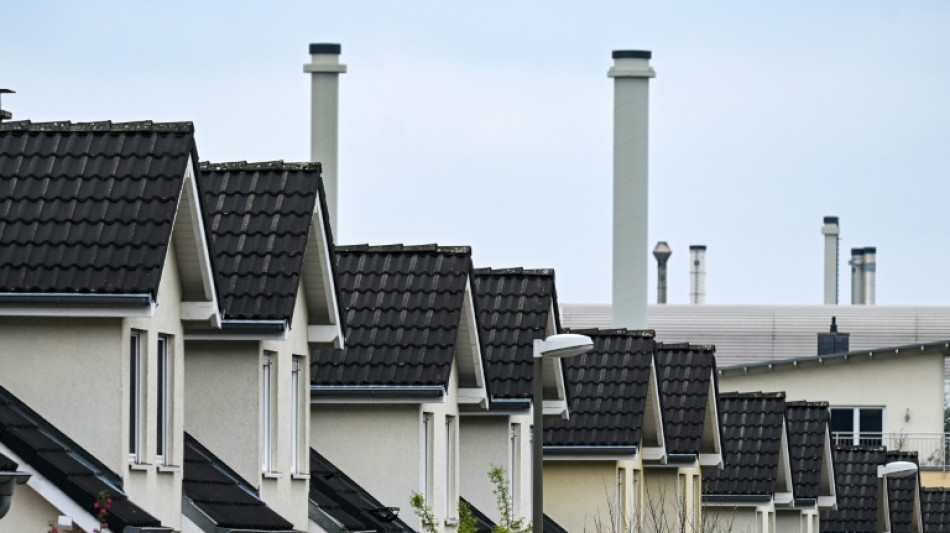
136, 305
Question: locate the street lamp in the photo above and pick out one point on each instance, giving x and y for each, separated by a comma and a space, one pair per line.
892, 470
555, 346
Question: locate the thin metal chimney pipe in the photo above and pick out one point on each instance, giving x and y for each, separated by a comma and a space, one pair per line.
857, 276
697, 274
869, 270
662, 253
631, 73
325, 69
831, 231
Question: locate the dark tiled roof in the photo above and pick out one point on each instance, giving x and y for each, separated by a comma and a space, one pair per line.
856, 475
550, 526
89, 208
807, 424
607, 388
513, 307
483, 524
7, 464
752, 426
901, 495
223, 496
348, 503
402, 308
258, 216
64, 464
683, 373
936, 510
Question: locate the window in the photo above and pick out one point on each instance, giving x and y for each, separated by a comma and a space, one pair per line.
449, 465
296, 424
136, 396
267, 412
426, 456
164, 402
634, 507
620, 498
697, 502
683, 509
514, 468
857, 425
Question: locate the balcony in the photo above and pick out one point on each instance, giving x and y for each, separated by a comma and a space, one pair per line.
932, 448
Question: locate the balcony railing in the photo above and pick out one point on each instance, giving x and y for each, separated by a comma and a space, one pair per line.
933, 449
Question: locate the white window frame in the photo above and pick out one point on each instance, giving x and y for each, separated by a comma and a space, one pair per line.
449, 465
164, 418
267, 412
136, 396
634, 501
856, 431
296, 422
427, 458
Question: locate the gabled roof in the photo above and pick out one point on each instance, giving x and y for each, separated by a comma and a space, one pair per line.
65, 465
936, 509
686, 375
89, 207
550, 526
215, 498
903, 496
856, 476
808, 442
514, 308
608, 390
258, 216
753, 430
405, 308
7, 464
484, 524
338, 504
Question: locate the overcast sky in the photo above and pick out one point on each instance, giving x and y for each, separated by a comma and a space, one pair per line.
489, 123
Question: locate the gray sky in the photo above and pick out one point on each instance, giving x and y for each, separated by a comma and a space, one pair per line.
489, 123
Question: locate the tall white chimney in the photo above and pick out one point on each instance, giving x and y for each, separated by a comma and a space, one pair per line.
325, 70
831, 231
662, 253
857, 276
869, 268
631, 73
697, 274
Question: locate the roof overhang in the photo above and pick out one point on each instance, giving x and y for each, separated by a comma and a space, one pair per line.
783, 480
319, 284
206, 524
652, 435
411, 394
931, 348
469, 362
64, 304
190, 241
242, 330
710, 452
827, 488
737, 500
590, 453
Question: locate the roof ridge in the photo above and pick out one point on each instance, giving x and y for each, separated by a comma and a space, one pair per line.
489, 271
100, 126
805, 403
279, 164
404, 248
757, 394
686, 346
639, 333
860, 448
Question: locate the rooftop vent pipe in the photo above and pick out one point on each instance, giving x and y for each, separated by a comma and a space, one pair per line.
662, 253
831, 230
631, 73
697, 274
325, 69
833, 342
857, 276
5, 115
870, 273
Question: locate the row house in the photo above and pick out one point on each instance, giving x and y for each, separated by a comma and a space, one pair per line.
812, 464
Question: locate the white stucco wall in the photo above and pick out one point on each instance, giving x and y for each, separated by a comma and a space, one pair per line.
665, 501
29, 512
485, 441
732, 519
911, 385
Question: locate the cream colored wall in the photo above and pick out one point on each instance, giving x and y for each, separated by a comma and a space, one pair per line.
485, 441
289, 494
582, 495
731, 519
665, 502
29, 512
158, 490
792, 522
935, 478
380, 446
913, 384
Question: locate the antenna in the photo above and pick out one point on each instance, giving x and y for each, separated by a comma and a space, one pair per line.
5, 114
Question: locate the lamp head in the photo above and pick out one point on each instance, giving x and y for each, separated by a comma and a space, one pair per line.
562, 345
896, 470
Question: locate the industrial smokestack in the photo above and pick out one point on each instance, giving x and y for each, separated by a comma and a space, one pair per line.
631, 73
831, 231
325, 70
869, 269
662, 254
697, 274
857, 276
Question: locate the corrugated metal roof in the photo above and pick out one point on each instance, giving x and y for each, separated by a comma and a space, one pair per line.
746, 334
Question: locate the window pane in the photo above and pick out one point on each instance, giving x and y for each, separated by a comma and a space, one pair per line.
134, 393
163, 414
842, 425
872, 420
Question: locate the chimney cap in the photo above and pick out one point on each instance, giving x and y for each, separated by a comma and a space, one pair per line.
857, 251
831, 220
662, 251
697, 246
870, 250
325, 48
632, 54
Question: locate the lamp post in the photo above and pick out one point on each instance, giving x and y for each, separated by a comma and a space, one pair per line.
555, 346
892, 470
